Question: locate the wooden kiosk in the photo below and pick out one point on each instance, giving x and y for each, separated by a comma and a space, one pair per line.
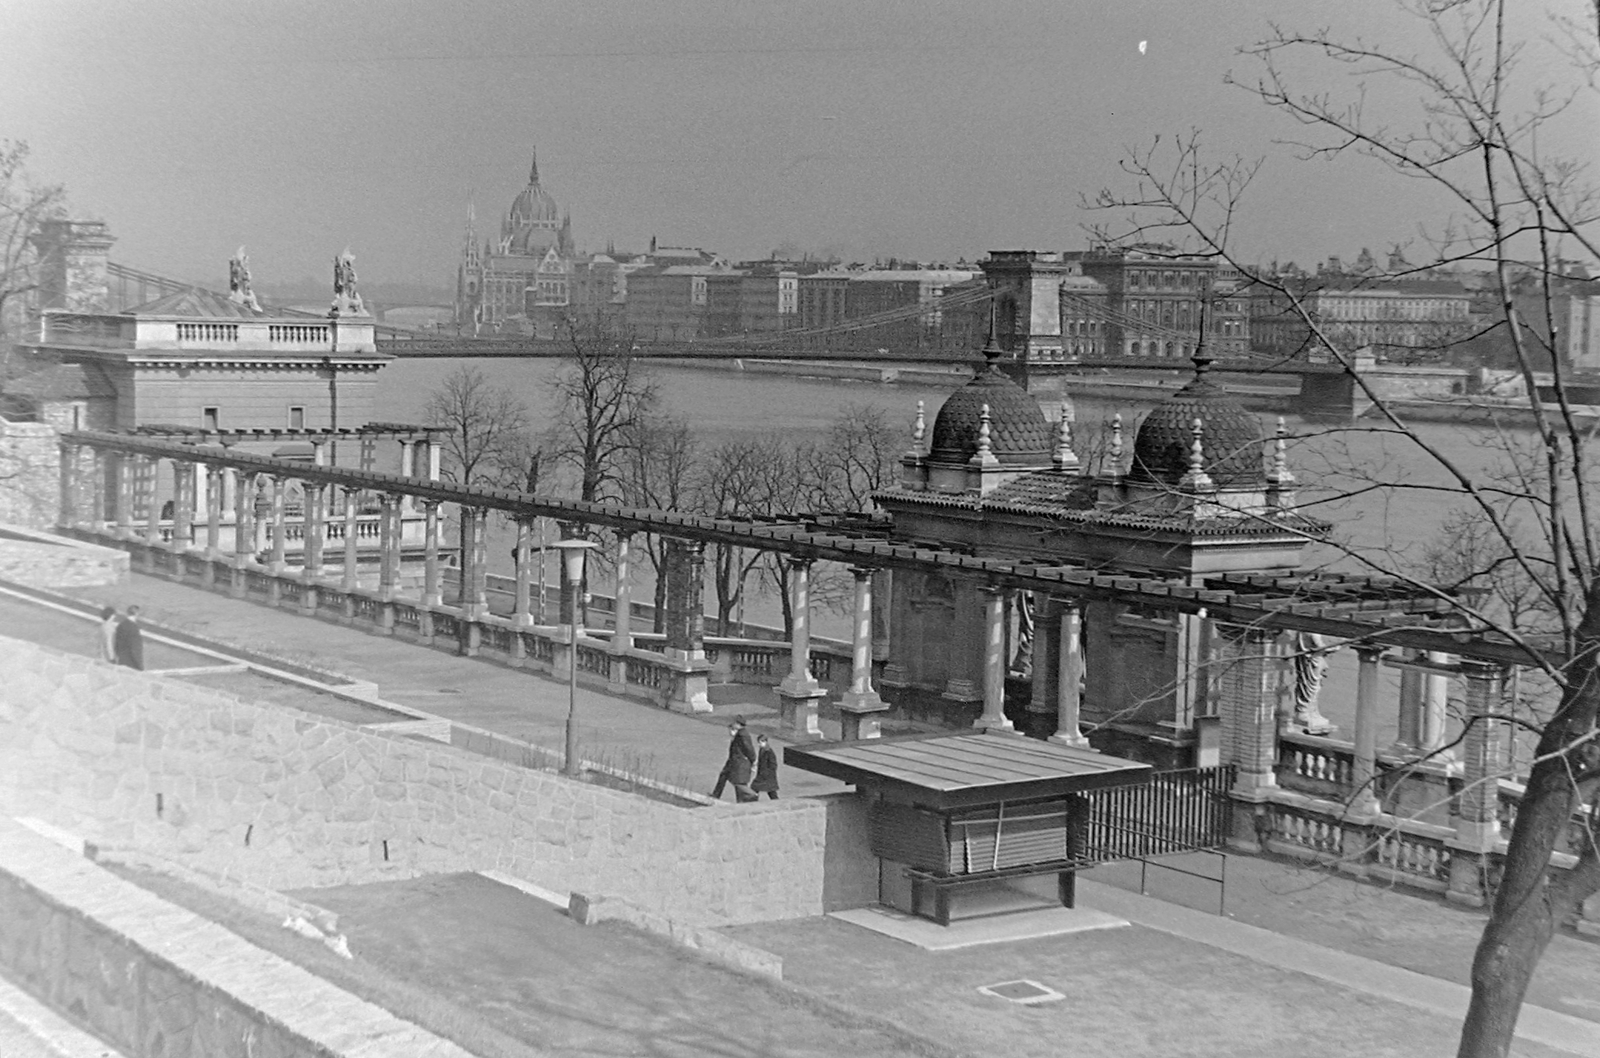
950, 814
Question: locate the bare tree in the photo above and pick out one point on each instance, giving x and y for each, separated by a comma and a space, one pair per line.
603, 396
486, 439
24, 205
740, 479
859, 456
660, 470
1516, 208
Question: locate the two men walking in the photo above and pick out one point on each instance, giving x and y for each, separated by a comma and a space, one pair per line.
121, 641
751, 768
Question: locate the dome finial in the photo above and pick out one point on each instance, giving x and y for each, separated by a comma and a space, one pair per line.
919, 428
1280, 476
1065, 458
991, 347
984, 458
1196, 478
533, 171
1116, 445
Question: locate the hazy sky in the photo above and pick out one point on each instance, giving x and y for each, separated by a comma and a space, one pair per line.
862, 127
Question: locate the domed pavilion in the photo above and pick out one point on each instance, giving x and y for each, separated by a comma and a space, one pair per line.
1201, 493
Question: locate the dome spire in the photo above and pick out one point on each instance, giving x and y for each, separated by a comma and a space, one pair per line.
533, 171
984, 457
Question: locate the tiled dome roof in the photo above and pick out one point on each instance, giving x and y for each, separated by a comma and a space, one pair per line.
1230, 436
1019, 434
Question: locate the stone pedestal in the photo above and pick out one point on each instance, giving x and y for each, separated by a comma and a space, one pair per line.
859, 722
797, 710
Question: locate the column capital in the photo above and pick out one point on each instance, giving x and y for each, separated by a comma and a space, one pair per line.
1479, 669
863, 572
799, 561
1370, 651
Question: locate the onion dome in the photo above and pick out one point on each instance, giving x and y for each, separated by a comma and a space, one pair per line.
1019, 434
1231, 435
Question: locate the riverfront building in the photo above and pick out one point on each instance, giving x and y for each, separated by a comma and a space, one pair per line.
522, 280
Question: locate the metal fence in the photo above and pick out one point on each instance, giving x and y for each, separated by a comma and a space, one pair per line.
1175, 812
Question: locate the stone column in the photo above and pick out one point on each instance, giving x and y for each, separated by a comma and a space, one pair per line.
152, 530
1408, 727
686, 621
183, 499
435, 449
1044, 694
799, 694
316, 531
280, 525
230, 487
388, 545
622, 623
243, 534
622, 636
521, 614
431, 595
1477, 819
859, 706
474, 575
1069, 685
213, 512
68, 486
408, 469
1364, 799
351, 578
97, 489
1245, 684
124, 472
1435, 700
994, 662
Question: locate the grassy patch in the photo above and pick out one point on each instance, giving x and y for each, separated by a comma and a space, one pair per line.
357, 976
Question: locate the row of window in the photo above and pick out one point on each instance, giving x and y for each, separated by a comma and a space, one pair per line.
1180, 279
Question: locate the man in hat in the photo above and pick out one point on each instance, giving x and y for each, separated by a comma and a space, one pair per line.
740, 764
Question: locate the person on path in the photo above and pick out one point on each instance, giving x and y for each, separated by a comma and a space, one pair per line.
129, 641
108, 634
740, 764
766, 769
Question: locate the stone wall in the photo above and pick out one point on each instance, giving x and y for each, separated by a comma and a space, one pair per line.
30, 474
41, 561
155, 981
296, 801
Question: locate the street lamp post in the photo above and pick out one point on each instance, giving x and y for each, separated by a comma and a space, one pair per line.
572, 552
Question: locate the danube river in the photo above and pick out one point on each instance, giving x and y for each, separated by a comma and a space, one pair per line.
1379, 489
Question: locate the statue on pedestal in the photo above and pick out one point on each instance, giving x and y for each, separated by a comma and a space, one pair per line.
1310, 666
239, 291
346, 302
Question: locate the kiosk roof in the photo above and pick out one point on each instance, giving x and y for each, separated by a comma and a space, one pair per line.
969, 768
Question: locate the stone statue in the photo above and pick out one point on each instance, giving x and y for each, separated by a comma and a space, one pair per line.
239, 291
1310, 666
346, 302
1022, 661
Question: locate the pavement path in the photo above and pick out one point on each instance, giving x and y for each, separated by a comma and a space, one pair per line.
674, 748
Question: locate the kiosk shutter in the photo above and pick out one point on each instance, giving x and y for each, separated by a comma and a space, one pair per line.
908, 835
991, 838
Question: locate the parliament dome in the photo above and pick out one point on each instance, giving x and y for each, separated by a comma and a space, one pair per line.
1230, 436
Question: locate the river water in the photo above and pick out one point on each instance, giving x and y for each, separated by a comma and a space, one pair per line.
1384, 494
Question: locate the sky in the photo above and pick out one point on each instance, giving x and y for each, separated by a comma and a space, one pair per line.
864, 128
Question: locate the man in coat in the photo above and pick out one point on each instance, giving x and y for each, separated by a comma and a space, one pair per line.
129, 641
766, 769
740, 764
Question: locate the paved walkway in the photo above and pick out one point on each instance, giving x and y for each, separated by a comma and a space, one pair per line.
677, 749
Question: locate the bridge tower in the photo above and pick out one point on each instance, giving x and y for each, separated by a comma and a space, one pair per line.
72, 265
1027, 320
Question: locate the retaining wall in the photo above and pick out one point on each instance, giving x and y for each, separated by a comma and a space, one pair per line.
155, 981
297, 801
40, 560
30, 476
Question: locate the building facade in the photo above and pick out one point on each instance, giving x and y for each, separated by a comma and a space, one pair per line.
521, 282
1403, 319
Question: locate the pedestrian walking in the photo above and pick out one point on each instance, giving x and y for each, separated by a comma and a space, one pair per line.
740, 764
129, 641
108, 634
766, 769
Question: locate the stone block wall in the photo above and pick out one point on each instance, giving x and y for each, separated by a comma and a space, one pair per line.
297, 801
155, 981
57, 563
30, 474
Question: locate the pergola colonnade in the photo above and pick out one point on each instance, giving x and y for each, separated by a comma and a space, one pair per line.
1247, 613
